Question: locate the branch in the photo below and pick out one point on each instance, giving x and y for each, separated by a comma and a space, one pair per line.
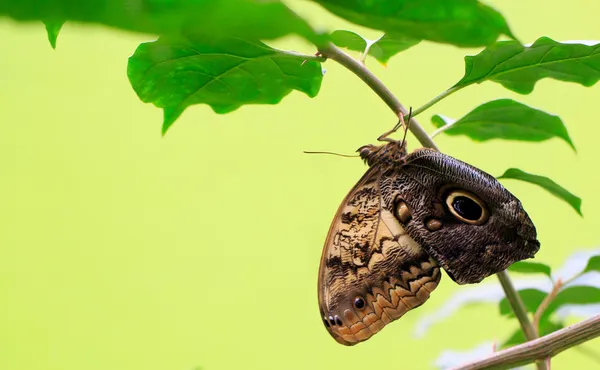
332, 52
547, 346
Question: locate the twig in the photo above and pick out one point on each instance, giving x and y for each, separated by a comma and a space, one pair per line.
545, 303
541, 348
332, 52
306, 57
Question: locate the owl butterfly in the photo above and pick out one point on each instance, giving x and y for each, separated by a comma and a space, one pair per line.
409, 215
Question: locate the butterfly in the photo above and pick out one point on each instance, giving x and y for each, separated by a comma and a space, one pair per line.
408, 216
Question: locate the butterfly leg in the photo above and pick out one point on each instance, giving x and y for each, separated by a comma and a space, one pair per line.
401, 123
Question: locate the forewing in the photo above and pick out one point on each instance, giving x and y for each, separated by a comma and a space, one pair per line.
372, 272
468, 252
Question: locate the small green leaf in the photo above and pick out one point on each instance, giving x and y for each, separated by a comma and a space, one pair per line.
531, 268
579, 294
519, 67
174, 73
593, 264
390, 45
381, 49
349, 39
253, 19
52, 29
531, 299
546, 327
463, 23
546, 183
506, 119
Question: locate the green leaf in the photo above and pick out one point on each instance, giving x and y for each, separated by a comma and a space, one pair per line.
593, 264
52, 29
506, 119
174, 73
546, 327
349, 39
516, 338
530, 268
518, 67
255, 19
381, 49
531, 299
573, 295
459, 22
546, 183
390, 45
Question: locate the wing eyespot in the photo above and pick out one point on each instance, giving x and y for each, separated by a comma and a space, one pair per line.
359, 303
467, 207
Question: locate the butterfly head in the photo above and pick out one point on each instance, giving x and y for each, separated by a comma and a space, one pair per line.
392, 152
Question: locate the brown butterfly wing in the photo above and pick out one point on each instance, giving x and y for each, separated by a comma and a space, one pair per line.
372, 272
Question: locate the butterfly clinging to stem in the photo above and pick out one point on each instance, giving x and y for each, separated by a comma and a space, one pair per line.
407, 217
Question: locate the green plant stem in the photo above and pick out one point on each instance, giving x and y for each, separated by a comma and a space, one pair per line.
332, 52
304, 56
545, 303
440, 130
520, 311
433, 101
517, 305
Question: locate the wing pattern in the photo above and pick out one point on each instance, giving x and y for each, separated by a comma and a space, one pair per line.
372, 272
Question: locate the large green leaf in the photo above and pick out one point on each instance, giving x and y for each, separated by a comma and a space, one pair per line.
519, 67
257, 19
593, 264
381, 49
52, 29
223, 73
506, 119
526, 267
573, 295
458, 22
531, 299
546, 183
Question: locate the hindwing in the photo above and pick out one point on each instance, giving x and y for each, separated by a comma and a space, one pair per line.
372, 272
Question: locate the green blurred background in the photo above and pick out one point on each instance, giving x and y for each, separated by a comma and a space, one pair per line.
124, 250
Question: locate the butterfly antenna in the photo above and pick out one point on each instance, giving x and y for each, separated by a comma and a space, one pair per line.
406, 125
332, 153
